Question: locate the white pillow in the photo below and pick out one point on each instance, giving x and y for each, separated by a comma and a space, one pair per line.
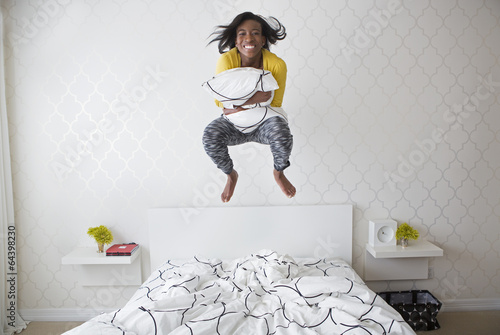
248, 120
234, 87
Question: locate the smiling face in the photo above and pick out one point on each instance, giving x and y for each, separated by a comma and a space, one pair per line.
249, 41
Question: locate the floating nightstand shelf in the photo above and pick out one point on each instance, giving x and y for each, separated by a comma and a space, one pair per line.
97, 269
396, 263
416, 249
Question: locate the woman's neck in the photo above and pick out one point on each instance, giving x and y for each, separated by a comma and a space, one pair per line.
256, 62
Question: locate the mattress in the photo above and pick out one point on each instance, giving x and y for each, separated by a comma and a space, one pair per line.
262, 293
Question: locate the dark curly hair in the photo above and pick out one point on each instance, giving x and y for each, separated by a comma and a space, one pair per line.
272, 30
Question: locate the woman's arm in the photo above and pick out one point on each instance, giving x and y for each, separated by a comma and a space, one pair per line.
228, 60
279, 70
258, 97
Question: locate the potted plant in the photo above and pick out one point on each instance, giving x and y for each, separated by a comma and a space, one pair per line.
406, 232
102, 236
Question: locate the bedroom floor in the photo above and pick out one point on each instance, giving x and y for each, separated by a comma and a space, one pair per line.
457, 323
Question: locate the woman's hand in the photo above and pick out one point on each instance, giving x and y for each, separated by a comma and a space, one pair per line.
259, 97
228, 111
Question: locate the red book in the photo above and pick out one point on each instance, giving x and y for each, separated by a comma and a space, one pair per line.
122, 249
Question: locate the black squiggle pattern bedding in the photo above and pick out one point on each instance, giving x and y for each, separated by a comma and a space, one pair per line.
264, 293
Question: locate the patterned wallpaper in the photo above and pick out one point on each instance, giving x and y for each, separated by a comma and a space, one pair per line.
394, 107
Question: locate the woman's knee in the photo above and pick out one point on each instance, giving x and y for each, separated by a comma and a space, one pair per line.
271, 126
279, 132
215, 131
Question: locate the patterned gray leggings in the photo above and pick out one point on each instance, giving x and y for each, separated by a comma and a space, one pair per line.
220, 134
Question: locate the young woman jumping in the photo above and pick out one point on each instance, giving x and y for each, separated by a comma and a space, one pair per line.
245, 43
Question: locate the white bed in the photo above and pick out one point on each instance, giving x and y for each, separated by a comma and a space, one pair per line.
251, 270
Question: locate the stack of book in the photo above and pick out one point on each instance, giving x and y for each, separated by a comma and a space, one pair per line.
122, 249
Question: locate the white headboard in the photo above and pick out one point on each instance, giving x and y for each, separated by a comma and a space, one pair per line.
232, 232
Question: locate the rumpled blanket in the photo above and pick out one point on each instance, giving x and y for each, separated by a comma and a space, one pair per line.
263, 293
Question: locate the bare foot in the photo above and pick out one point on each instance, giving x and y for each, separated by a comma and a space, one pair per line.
284, 183
232, 178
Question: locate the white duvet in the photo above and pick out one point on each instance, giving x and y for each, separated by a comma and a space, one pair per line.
265, 293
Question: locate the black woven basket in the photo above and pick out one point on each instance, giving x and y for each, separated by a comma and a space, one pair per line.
418, 308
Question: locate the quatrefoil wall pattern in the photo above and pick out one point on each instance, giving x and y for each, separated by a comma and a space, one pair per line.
394, 107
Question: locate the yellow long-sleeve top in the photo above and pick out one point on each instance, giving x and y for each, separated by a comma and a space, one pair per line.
271, 62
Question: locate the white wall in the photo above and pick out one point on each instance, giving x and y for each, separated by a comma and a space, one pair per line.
393, 109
